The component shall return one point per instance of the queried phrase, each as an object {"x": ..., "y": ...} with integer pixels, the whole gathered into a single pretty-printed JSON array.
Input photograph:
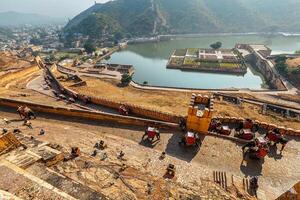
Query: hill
[
  {"x": 16, "y": 19},
  {"x": 150, "y": 17}
]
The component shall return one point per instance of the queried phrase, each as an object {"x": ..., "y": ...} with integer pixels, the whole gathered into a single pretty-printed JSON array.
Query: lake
[{"x": 150, "y": 59}]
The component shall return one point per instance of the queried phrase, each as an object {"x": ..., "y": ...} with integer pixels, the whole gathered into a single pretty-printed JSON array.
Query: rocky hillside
[{"x": 150, "y": 17}]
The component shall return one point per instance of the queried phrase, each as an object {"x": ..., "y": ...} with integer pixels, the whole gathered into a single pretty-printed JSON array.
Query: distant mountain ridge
[
  {"x": 150, "y": 17},
  {"x": 16, "y": 18}
]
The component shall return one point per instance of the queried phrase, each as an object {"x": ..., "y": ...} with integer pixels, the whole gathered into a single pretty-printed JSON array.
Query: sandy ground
[
  {"x": 175, "y": 102},
  {"x": 293, "y": 62},
  {"x": 277, "y": 172}
]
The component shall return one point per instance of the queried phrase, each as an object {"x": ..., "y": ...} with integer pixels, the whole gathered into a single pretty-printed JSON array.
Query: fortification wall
[
  {"x": 264, "y": 66},
  {"x": 137, "y": 110},
  {"x": 91, "y": 115}
]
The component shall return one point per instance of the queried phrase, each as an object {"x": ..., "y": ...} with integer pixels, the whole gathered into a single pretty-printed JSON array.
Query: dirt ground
[
  {"x": 174, "y": 102},
  {"x": 11, "y": 62},
  {"x": 276, "y": 174},
  {"x": 293, "y": 63}
]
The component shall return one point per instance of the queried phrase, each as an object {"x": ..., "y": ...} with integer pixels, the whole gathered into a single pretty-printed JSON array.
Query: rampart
[
  {"x": 258, "y": 58},
  {"x": 139, "y": 111},
  {"x": 90, "y": 115}
]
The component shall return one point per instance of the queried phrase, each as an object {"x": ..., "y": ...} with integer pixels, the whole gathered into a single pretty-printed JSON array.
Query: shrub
[
  {"x": 216, "y": 45},
  {"x": 126, "y": 79}
]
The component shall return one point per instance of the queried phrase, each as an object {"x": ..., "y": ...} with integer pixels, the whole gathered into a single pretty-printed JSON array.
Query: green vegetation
[
  {"x": 229, "y": 65},
  {"x": 191, "y": 61},
  {"x": 126, "y": 79},
  {"x": 58, "y": 56},
  {"x": 193, "y": 51},
  {"x": 216, "y": 45},
  {"x": 136, "y": 17},
  {"x": 176, "y": 61},
  {"x": 210, "y": 64},
  {"x": 89, "y": 47},
  {"x": 298, "y": 51},
  {"x": 180, "y": 52},
  {"x": 281, "y": 65},
  {"x": 96, "y": 25}
]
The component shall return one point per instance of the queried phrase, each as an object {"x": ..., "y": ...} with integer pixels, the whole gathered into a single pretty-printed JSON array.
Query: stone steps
[
  {"x": 27, "y": 184},
  {"x": 23, "y": 159},
  {"x": 65, "y": 184}
]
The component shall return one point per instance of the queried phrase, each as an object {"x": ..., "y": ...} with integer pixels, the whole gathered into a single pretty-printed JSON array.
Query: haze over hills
[
  {"x": 150, "y": 17},
  {"x": 16, "y": 19}
]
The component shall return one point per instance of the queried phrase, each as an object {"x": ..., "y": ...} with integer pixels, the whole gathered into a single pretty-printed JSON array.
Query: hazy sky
[{"x": 59, "y": 8}]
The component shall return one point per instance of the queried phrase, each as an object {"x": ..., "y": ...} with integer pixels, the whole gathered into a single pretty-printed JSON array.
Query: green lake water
[{"x": 150, "y": 59}]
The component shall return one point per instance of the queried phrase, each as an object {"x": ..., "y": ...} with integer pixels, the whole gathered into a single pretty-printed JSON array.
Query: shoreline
[{"x": 164, "y": 37}]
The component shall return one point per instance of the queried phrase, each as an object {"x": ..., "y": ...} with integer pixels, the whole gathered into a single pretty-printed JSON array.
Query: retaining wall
[{"x": 91, "y": 115}]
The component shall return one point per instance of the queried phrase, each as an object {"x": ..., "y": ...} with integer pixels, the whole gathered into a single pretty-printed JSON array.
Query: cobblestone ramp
[
  {"x": 66, "y": 184},
  {"x": 23, "y": 159},
  {"x": 24, "y": 185}
]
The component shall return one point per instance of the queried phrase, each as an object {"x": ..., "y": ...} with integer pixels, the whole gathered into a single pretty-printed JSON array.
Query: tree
[
  {"x": 118, "y": 36},
  {"x": 35, "y": 53},
  {"x": 298, "y": 51},
  {"x": 89, "y": 47},
  {"x": 216, "y": 45},
  {"x": 282, "y": 68},
  {"x": 281, "y": 65},
  {"x": 126, "y": 79}
]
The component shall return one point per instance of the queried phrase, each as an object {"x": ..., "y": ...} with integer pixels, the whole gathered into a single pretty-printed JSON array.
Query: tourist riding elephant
[{"x": 25, "y": 112}]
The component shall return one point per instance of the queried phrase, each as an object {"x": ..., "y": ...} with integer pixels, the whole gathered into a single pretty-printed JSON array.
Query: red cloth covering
[
  {"x": 248, "y": 125},
  {"x": 273, "y": 137},
  {"x": 261, "y": 153},
  {"x": 190, "y": 139},
  {"x": 248, "y": 135}
]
